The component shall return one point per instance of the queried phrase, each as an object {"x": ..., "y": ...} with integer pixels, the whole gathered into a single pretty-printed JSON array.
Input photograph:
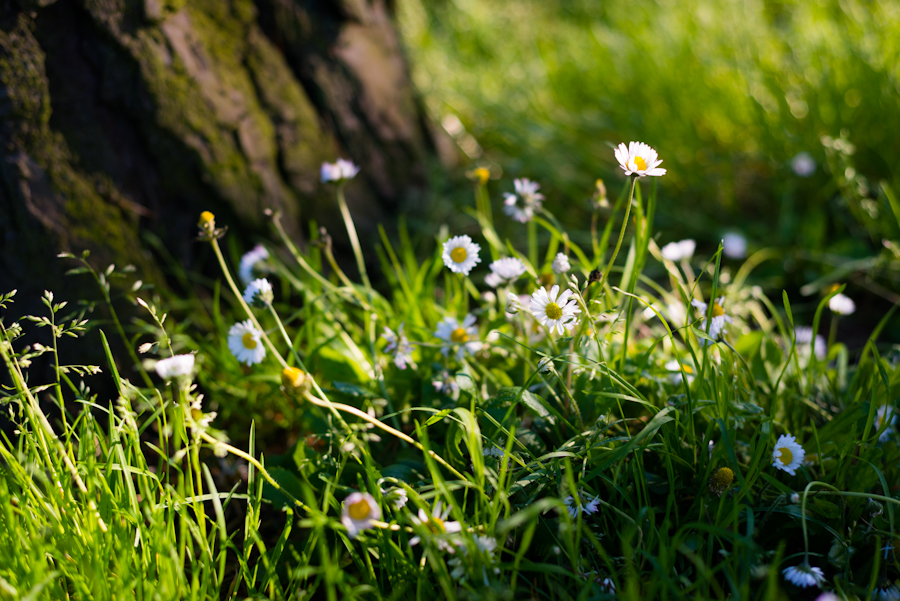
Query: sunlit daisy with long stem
[
  {"x": 245, "y": 342},
  {"x": 788, "y": 454},
  {"x": 555, "y": 310},
  {"x": 358, "y": 511},
  {"x": 639, "y": 159},
  {"x": 526, "y": 201},
  {"x": 460, "y": 254},
  {"x": 804, "y": 575},
  {"x": 463, "y": 337}
]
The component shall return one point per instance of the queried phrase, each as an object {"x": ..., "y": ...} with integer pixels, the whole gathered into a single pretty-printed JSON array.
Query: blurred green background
[{"x": 728, "y": 92}]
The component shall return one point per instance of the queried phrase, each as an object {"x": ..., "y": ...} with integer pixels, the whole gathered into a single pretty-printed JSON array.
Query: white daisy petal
[
  {"x": 561, "y": 263},
  {"x": 463, "y": 337},
  {"x": 553, "y": 309},
  {"x": 506, "y": 270},
  {"x": 249, "y": 262},
  {"x": 639, "y": 159},
  {"x": 358, "y": 511},
  {"x": 522, "y": 205},
  {"x": 259, "y": 293},
  {"x": 341, "y": 171},
  {"x": 841, "y": 304}
]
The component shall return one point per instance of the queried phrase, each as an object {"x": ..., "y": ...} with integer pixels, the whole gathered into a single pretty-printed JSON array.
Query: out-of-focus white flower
[
  {"x": 554, "y": 310},
  {"x": 446, "y": 384},
  {"x": 484, "y": 546},
  {"x": 461, "y": 336},
  {"x": 795, "y": 498},
  {"x": 803, "y": 164},
  {"x": 885, "y": 414},
  {"x": 734, "y": 245},
  {"x": 399, "y": 346},
  {"x": 677, "y": 313},
  {"x": 395, "y": 496},
  {"x": 358, "y": 511},
  {"x": 341, "y": 171},
  {"x": 437, "y": 525},
  {"x": 804, "y": 336},
  {"x": 719, "y": 318},
  {"x": 504, "y": 271},
  {"x": 788, "y": 454},
  {"x": 492, "y": 451},
  {"x": 677, "y": 251},
  {"x": 259, "y": 293},
  {"x": 174, "y": 367},
  {"x": 545, "y": 365},
  {"x": 606, "y": 585},
  {"x": 842, "y": 305},
  {"x": 886, "y": 591},
  {"x": 576, "y": 507},
  {"x": 245, "y": 342},
  {"x": 531, "y": 200},
  {"x": 249, "y": 261},
  {"x": 804, "y": 575},
  {"x": 461, "y": 254},
  {"x": 561, "y": 263},
  {"x": 828, "y": 596},
  {"x": 639, "y": 159},
  {"x": 674, "y": 369}
]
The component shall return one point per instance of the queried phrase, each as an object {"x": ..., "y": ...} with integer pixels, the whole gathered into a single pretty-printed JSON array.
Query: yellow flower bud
[
  {"x": 294, "y": 379},
  {"x": 721, "y": 480},
  {"x": 206, "y": 218}
]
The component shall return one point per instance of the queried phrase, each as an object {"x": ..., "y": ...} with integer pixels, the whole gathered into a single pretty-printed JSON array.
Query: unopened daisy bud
[
  {"x": 294, "y": 380},
  {"x": 480, "y": 175},
  {"x": 721, "y": 480},
  {"x": 207, "y": 225},
  {"x": 545, "y": 365},
  {"x": 561, "y": 263},
  {"x": 795, "y": 497},
  {"x": 513, "y": 305}
]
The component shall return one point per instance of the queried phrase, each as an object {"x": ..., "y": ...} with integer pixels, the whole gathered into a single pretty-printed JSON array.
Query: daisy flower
[
  {"x": 446, "y": 384},
  {"x": 886, "y": 591},
  {"x": 463, "y": 336},
  {"x": 842, "y": 305},
  {"x": 639, "y": 159},
  {"x": 677, "y": 251},
  {"x": 394, "y": 495},
  {"x": 484, "y": 546},
  {"x": 804, "y": 337},
  {"x": 249, "y": 261},
  {"x": 527, "y": 192},
  {"x": 259, "y": 293},
  {"x": 885, "y": 413},
  {"x": 561, "y": 263},
  {"x": 358, "y": 511},
  {"x": 493, "y": 451},
  {"x": 554, "y": 310},
  {"x": 606, "y": 585},
  {"x": 734, "y": 245},
  {"x": 338, "y": 172},
  {"x": 399, "y": 346},
  {"x": 505, "y": 271},
  {"x": 245, "y": 343},
  {"x": 576, "y": 507},
  {"x": 173, "y": 367},
  {"x": 674, "y": 369},
  {"x": 788, "y": 454},
  {"x": 719, "y": 319},
  {"x": 803, "y": 164},
  {"x": 436, "y": 524},
  {"x": 804, "y": 575},
  {"x": 460, "y": 254}
]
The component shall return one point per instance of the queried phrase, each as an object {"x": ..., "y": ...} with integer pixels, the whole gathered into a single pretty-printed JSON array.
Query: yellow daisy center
[
  {"x": 249, "y": 341},
  {"x": 458, "y": 254},
  {"x": 459, "y": 336},
  {"x": 786, "y": 456},
  {"x": 359, "y": 510},
  {"x": 640, "y": 163},
  {"x": 689, "y": 370},
  {"x": 436, "y": 525},
  {"x": 718, "y": 310},
  {"x": 553, "y": 311},
  {"x": 482, "y": 174}
]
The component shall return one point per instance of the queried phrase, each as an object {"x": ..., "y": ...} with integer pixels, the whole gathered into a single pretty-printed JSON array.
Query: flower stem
[
  {"x": 612, "y": 259},
  {"x": 354, "y": 239}
]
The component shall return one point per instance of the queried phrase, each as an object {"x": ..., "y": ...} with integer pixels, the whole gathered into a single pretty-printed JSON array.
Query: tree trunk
[{"x": 124, "y": 116}]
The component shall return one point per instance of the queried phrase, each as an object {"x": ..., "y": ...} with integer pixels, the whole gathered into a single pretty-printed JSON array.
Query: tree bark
[{"x": 124, "y": 116}]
